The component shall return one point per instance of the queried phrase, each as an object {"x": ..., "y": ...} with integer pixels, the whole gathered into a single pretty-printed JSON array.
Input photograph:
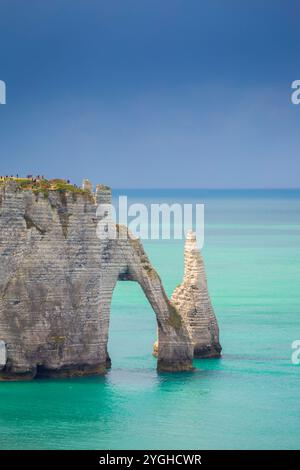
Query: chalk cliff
[
  {"x": 56, "y": 285},
  {"x": 193, "y": 302}
]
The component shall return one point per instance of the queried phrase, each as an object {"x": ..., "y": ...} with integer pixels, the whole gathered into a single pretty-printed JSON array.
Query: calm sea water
[{"x": 247, "y": 399}]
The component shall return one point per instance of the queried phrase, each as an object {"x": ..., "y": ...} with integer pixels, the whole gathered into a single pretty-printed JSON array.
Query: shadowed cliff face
[{"x": 56, "y": 285}]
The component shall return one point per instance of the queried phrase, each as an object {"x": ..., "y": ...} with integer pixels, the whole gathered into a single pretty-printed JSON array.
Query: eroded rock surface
[
  {"x": 56, "y": 285},
  {"x": 192, "y": 300}
]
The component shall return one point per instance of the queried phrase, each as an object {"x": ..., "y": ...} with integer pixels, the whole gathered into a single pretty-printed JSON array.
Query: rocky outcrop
[
  {"x": 125, "y": 259},
  {"x": 56, "y": 285},
  {"x": 191, "y": 299}
]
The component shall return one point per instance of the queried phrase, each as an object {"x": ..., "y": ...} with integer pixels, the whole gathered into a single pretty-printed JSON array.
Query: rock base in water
[{"x": 191, "y": 299}]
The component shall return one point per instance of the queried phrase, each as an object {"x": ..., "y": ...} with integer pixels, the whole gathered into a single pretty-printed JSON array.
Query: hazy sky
[{"x": 151, "y": 93}]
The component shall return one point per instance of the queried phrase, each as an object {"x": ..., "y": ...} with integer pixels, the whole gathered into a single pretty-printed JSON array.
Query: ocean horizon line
[
  {"x": 202, "y": 189},
  {"x": 202, "y": 193}
]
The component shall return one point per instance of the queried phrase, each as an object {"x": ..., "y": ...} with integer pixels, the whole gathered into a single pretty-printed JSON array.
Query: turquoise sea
[{"x": 247, "y": 399}]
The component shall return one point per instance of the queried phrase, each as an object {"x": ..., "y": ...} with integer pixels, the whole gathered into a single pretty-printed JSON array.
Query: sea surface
[{"x": 248, "y": 399}]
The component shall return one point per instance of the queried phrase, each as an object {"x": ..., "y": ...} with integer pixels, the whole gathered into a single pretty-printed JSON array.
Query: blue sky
[{"x": 150, "y": 93}]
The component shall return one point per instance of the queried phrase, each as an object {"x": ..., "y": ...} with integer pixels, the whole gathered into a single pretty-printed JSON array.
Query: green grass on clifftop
[{"x": 39, "y": 185}]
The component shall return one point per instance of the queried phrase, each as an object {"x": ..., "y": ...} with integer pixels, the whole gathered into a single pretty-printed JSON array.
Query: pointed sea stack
[{"x": 191, "y": 299}]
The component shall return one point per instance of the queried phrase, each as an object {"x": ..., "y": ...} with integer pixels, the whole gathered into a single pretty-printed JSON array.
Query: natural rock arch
[
  {"x": 125, "y": 259},
  {"x": 56, "y": 283}
]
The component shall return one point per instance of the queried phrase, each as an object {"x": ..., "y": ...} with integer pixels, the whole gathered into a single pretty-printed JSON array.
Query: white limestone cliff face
[
  {"x": 192, "y": 300},
  {"x": 56, "y": 285}
]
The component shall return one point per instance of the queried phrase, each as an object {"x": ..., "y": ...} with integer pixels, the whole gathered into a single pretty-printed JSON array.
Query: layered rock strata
[
  {"x": 192, "y": 300},
  {"x": 56, "y": 285}
]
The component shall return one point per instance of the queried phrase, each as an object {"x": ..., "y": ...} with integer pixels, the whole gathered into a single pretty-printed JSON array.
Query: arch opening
[
  {"x": 132, "y": 328},
  {"x": 131, "y": 263}
]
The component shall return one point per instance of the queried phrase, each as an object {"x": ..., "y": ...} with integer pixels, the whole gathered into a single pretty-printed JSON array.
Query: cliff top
[{"x": 42, "y": 185}]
